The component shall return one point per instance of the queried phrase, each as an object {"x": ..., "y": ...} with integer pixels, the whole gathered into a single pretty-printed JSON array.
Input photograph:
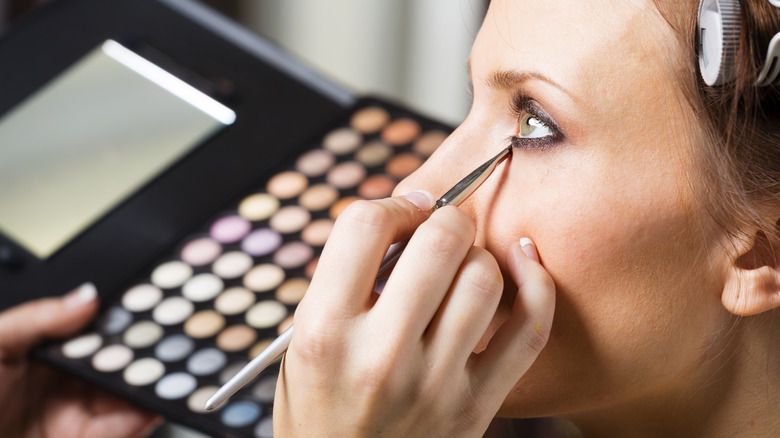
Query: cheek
[{"x": 634, "y": 286}]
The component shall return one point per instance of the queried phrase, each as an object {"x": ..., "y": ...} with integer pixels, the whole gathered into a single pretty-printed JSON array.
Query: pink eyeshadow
[
  {"x": 293, "y": 255},
  {"x": 201, "y": 251},
  {"x": 230, "y": 229}
]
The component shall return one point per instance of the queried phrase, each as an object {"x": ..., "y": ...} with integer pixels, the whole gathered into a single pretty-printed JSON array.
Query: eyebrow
[{"x": 508, "y": 79}]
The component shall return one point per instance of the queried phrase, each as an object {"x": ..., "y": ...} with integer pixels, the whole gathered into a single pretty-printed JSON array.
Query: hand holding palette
[{"x": 199, "y": 224}]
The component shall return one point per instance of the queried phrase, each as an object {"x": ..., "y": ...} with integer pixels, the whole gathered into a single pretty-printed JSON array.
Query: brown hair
[{"x": 740, "y": 162}]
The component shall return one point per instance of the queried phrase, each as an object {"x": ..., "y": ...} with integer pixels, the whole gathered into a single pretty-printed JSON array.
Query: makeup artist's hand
[
  {"x": 37, "y": 401},
  {"x": 402, "y": 364}
]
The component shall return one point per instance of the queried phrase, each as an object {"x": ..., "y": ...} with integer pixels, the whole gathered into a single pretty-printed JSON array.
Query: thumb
[{"x": 24, "y": 326}]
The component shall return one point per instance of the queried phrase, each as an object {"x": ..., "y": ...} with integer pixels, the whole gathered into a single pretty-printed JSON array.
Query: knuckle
[
  {"x": 536, "y": 338},
  {"x": 366, "y": 215}
]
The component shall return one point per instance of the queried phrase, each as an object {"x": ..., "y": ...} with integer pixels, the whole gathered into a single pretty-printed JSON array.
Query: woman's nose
[{"x": 445, "y": 167}]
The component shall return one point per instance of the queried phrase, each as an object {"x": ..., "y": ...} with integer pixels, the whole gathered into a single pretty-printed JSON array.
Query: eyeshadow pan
[
  {"x": 287, "y": 185},
  {"x": 374, "y": 154},
  {"x": 318, "y": 197},
  {"x": 230, "y": 229},
  {"x": 317, "y": 232},
  {"x": 206, "y": 362},
  {"x": 174, "y": 348},
  {"x": 370, "y": 119},
  {"x": 175, "y": 386},
  {"x": 197, "y": 400},
  {"x": 142, "y": 334},
  {"x": 171, "y": 274},
  {"x": 240, "y": 413},
  {"x": 202, "y": 287},
  {"x": 144, "y": 371},
  {"x": 234, "y": 301},
  {"x": 263, "y": 278},
  {"x": 114, "y": 320},
  {"x": 315, "y": 162},
  {"x": 142, "y": 297},
  {"x": 200, "y": 251},
  {"x": 401, "y": 131},
  {"x": 173, "y": 310},
  {"x": 266, "y": 314},
  {"x": 204, "y": 324},
  {"x": 236, "y": 338},
  {"x": 429, "y": 142},
  {"x": 346, "y": 175},
  {"x": 376, "y": 187},
  {"x": 342, "y": 141},
  {"x": 342, "y": 204},
  {"x": 292, "y": 290},
  {"x": 258, "y": 207},
  {"x": 403, "y": 165},
  {"x": 112, "y": 358},
  {"x": 232, "y": 264},
  {"x": 293, "y": 255},
  {"x": 290, "y": 219},
  {"x": 261, "y": 242},
  {"x": 82, "y": 346}
]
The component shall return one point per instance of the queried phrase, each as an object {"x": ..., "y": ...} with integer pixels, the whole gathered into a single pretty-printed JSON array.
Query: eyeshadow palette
[{"x": 189, "y": 322}]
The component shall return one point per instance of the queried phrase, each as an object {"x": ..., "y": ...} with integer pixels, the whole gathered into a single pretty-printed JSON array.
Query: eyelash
[{"x": 521, "y": 104}]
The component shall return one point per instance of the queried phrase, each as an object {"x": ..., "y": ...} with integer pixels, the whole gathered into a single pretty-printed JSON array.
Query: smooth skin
[
  {"x": 658, "y": 330},
  {"x": 38, "y": 401}
]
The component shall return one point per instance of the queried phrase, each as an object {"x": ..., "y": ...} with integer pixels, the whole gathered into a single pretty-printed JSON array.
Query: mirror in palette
[{"x": 92, "y": 137}]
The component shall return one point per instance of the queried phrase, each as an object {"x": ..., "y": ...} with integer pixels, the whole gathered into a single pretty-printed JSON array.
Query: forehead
[{"x": 589, "y": 47}]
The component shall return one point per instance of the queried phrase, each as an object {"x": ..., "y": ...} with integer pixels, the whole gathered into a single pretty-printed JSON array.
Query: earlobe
[{"x": 753, "y": 284}]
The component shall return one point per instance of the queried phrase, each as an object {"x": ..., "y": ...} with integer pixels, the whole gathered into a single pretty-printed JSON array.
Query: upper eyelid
[{"x": 524, "y": 103}]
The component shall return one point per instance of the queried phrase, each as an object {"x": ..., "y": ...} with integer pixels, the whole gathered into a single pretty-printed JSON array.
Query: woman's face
[{"x": 600, "y": 181}]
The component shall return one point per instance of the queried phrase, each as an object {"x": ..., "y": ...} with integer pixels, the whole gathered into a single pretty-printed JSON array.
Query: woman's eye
[{"x": 530, "y": 126}]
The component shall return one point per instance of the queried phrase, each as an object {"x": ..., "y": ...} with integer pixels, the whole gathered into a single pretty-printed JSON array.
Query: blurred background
[{"x": 413, "y": 52}]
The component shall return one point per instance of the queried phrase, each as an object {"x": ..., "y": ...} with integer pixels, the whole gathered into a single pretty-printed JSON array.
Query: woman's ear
[{"x": 753, "y": 283}]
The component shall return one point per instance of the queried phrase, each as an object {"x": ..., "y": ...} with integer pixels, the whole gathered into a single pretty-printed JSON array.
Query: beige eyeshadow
[
  {"x": 258, "y": 206},
  {"x": 346, "y": 175},
  {"x": 292, "y": 290},
  {"x": 401, "y": 131},
  {"x": 403, "y": 165},
  {"x": 197, "y": 400},
  {"x": 429, "y": 142},
  {"x": 236, "y": 338},
  {"x": 287, "y": 185},
  {"x": 317, "y": 232},
  {"x": 112, "y": 358},
  {"x": 290, "y": 219},
  {"x": 266, "y": 314},
  {"x": 377, "y": 187},
  {"x": 263, "y": 278},
  {"x": 340, "y": 205},
  {"x": 234, "y": 301},
  {"x": 142, "y": 334},
  {"x": 204, "y": 324},
  {"x": 318, "y": 197},
  {"x": 374, "y": 154},
  {"x": 369, "y": 120},
  {"x": 315, "y": 162},
  {"x": 342, "y": 141}
]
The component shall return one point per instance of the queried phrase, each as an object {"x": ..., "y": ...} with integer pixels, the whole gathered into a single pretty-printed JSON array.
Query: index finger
[{"x": 348, "y": 266}]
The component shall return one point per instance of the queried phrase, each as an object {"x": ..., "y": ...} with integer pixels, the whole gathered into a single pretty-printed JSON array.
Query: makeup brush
[{"x": 459, "y": 192}]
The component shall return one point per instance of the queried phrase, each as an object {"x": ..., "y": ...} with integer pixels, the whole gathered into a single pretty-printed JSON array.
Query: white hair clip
[{"x": 719, "y": 27}]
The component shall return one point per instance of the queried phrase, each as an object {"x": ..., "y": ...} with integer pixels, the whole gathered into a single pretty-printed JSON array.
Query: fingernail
[
  {"x": 421, "y": 198},
  {"x": 81, "y": 295},
  {"x": 529, "y": 248}
]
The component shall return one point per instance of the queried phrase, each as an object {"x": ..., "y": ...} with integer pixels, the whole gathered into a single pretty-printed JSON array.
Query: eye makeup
[{"x": 187, "y": 324}]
